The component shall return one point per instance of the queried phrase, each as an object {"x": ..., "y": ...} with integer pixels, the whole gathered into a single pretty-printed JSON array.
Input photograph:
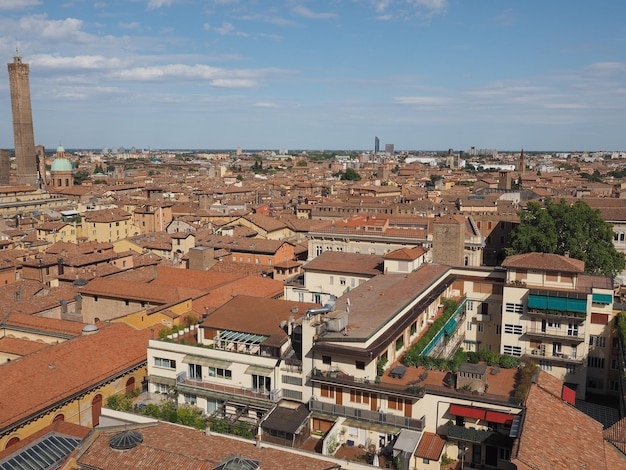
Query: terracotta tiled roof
[
  {"x": 247, "y": 314},
  {"x": 54, "y": 374},
  {"x": 49, "y": 299},
  {"x": 158, "y": 294},
  {"x": 20, "y": 347},
  {"x": 34, "y": 323},
  {"x": 405, "y": 254},
  {"x": 340, "y": 262},
  {"x": 255, "y": 286},
  {"x": 265, "y": 222},
  {"x": 107, "y": 215},
  {"x": 161, "y": 448},
  {"x": 430, "y": 446},
  {"x": 201, "y": 280},
  {"x": 544, "y": 261},
  {"x": 556, "y": 435}
]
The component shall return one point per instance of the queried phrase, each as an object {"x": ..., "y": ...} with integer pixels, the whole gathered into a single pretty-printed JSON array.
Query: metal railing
[{"x": 378, "y": 417}]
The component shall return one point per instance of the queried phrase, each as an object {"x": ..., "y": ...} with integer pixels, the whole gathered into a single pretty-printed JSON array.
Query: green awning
[
  {"x": 602, "y": 298},
  {"x": 537, "y": 301},
  {"x": 206, "y": 361},
  {"x": 259, "y": 370}
]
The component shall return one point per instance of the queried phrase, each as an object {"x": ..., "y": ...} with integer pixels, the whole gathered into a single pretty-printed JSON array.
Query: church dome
[
  {"x": 61, "y": 164},
  {"x": 60, "y": 149}
]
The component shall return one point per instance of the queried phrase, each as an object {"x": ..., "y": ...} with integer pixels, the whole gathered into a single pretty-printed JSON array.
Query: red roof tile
[
  {"x": 54, "y": 374},
  {"x": 430, "y": 447}
]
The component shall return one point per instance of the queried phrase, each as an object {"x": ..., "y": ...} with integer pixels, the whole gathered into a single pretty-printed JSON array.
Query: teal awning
[
  {"x": 450, "y": 326},
  {"x": 602, "y": 299},
  {"x": 537, "y": 301},
  {"x": 559, "y": 304}
]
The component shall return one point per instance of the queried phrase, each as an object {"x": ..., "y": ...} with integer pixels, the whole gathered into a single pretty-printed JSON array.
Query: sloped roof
[
  {"x": 545, "y": 262},
  {"x": 161, "y": 448},
  {"x": 555, "y": 434},
  {"x": 430, "y": 447},
  {"x": 343, "y": 262},
  {"x": 54, "y": 374},
  {"x": 256, "y": 315}
]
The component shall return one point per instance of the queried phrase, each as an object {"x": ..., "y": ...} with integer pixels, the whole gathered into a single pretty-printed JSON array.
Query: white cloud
[
  {"x": 381, "y": 5},
  {"x": 307, "y": 13},
  {"x": 233, "y": 83},
  {"x": 431, "y": 4},
  {"x": 77, "y": 62},
  {"x": 69, "y": 28},
  {"x": 265, "y": 104},
  {"x": 227, "y": 29},
  {"x": 216, "y": 77},
  {"x": 154, "y": 4},
  {"x": 131, "y": 25},
  {"x": 18, "y": 4},
  {"x": 606, "y": 68},
  {"x": 422, "y": 100},
  {"x": 206, "y": 26}
]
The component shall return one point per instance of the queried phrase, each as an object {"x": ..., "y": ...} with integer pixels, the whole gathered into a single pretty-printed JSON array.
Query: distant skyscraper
[
  {"x": 389, "y": 148},
  {"x": 24, "y": 139},
  {"x": 376, "y": 145}
]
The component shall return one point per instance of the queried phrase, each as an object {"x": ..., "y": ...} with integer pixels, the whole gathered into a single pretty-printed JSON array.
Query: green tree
[
  {"x": 350, "y": 175},
  {"x": 574, "y": 230},
  {"x": 80, "y": 176}
]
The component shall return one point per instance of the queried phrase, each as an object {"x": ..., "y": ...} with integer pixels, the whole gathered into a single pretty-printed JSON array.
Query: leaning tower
[{"x": 24, "y": 139}]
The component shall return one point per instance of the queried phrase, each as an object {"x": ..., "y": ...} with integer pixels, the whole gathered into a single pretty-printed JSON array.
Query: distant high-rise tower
[
  {"x": 376, "y": 145},
  {"x": 24, "y": 139}
]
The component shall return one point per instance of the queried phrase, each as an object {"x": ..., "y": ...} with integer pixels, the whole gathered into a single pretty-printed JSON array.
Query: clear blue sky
[{"x": 297, "y": 74}]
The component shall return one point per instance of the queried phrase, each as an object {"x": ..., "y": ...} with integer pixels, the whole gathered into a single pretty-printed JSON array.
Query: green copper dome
[{"x": 61, "y": 164}]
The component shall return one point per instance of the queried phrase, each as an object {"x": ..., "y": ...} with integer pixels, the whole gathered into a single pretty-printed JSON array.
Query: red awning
[
  {"x": 501, "y": 418},
  {"x": 568, "y": 395},
  {"x": 467, "y": 412}
]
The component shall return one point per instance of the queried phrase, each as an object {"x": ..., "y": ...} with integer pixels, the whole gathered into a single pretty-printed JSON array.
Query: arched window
[
  {"x": 96, "y": 409},
  {"x": 58, "y": 418},
  {"x": 12, "y": 441},
  {"x": 130, "y": 384}
]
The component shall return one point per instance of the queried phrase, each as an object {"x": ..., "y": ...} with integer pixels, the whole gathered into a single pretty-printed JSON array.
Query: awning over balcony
[
  {"x": 161, "y": 380},
  {"x": 206, "y": 361},
  {"x": 602, "y": 298},
  {"x": 467, "y": 412},
  {"x": 259, "y": 370},
  {"x": 500, "y": 418},
  {"x": 560, "y": 304}
]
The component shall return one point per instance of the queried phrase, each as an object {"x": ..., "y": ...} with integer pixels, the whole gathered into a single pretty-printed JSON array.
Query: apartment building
[
  {"x": 381, "y": 235},
  {"x": 333, "y": 273},
  {"x": 108, "y": 225},
  {"x": 344, "y": 358},
  {"x": 238, "y": 362},
  {"x": 556, "y": 315}
]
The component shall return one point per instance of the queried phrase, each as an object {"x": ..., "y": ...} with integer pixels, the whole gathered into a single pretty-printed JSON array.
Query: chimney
[{"x": 63, "y": 306}]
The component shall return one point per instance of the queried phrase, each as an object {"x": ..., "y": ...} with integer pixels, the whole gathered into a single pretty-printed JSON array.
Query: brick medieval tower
[{"x": 24, "y": 139}]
